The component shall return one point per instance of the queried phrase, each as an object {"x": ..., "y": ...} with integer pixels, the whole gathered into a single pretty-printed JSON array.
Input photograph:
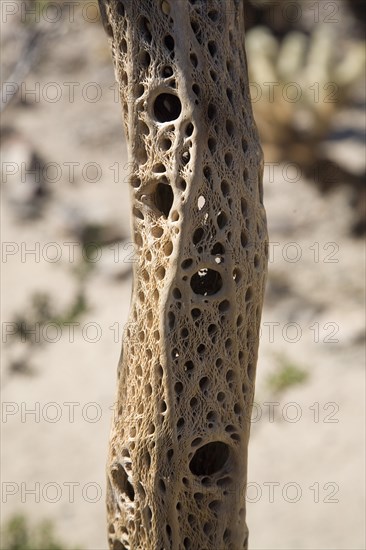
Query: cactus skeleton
[{"x": 177, "y": 464}]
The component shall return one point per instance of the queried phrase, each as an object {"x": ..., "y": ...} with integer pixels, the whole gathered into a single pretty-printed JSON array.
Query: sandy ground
[{"x": 306, "y": 475}]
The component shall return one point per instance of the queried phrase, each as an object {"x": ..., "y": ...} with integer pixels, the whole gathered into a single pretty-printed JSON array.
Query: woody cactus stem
[{"x": 178, "y": 449}]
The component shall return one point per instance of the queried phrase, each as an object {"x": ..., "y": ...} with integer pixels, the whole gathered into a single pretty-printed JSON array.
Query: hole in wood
[
  {"x": 117, "y": 545},
  {"x": 194, "y": 59},
  {"x": 167, "y": 71},
  {"x": 145, "y": 29},
  {"x": 209, "y": 459},
  {"x": 164, "y": 198},
  {"x": 169, "y": 42},
  {"x": 167, "y": 107},
  {"x": 121, "y": 480},
  {"x": 206, "y": 282},
  {"x": 201, "y": 202}
]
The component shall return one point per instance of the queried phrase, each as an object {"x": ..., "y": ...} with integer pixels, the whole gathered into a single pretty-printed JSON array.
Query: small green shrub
[
  {"x": 288, "y": 374},
  {"x": 18, "y": 535},
  {"x": 42, "y": 311}
]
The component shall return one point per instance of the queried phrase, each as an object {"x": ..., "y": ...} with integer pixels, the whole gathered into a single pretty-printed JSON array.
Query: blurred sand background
[{"x": 311, "y": 361}]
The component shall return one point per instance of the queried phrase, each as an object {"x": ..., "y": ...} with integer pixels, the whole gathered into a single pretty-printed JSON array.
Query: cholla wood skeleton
[{"x": 177, "y": 464}]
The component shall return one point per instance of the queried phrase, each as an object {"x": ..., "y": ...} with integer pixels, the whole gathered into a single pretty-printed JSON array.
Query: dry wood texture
[{"x": 178, "y": 450}]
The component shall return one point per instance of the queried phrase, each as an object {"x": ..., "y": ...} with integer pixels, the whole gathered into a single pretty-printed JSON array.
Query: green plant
[
  {"x": 17, "y": 534},
  {"x": 288, "y": 374},
  {"x": 42, "y": 311}
]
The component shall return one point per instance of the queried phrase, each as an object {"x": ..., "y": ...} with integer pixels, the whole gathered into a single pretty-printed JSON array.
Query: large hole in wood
[
  {"x": 201, "y": 202},
  {"x": 169, "y": 42},
  {"x": 121, "y": 480},
  {"x": 167, "y": 71},
  {"x": 206, "y": 282},
  {"x": 164, "y": 198},
  {"x": 197, "y": 235},
  {"x": 145, "y": 29},
  {"x": 167, "y": 107},
  {"x": 121, "y": 9},
  {"x": 209, "y": 459},
  {"x": 117, "y": 545}
]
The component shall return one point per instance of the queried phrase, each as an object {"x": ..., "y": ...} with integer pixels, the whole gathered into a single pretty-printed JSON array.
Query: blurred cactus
[
  {"x": 298, "y": 85},
  {"x": 301, "y": 81}
]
